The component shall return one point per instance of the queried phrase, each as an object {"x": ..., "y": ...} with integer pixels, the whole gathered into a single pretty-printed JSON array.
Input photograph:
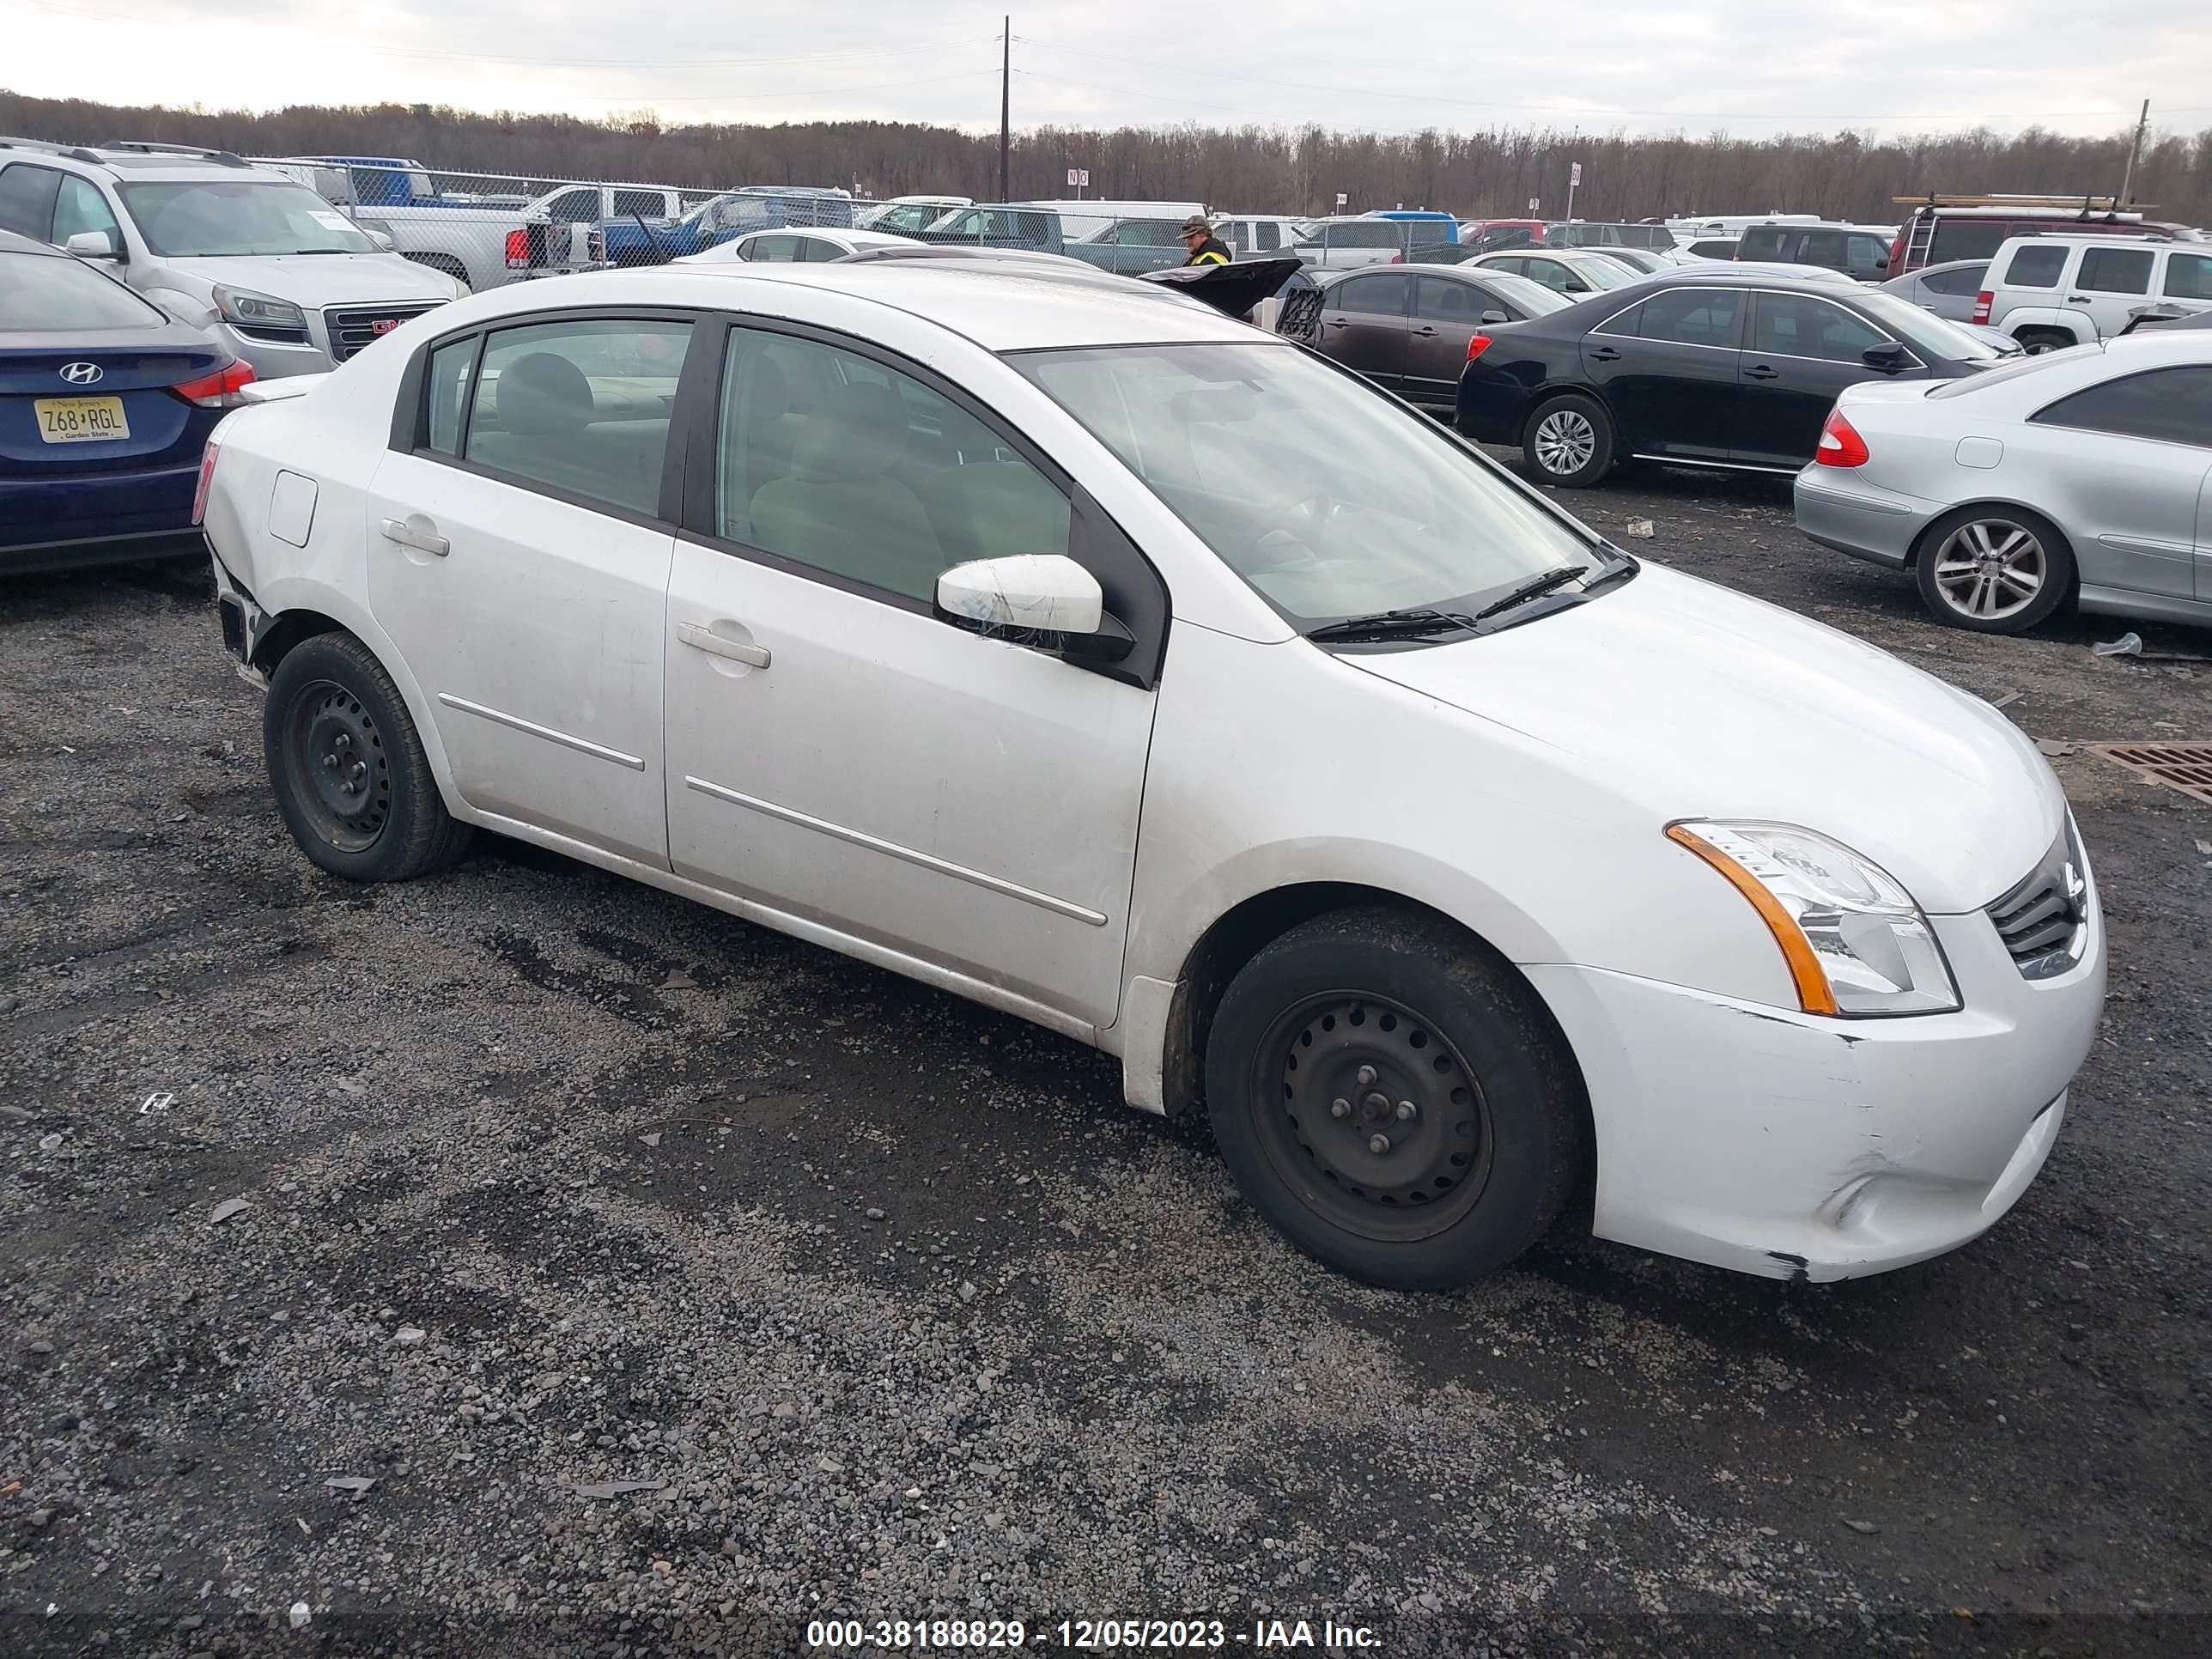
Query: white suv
[
  {"x": 270, "y": 268},
  {"x": 2053, "y": 291}
]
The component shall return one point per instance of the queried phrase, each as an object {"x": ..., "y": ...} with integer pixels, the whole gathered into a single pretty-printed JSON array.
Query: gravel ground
[{"x": 663, "y": 1283}]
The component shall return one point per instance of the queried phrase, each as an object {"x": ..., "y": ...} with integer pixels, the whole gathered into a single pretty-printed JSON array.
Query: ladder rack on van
[{"x": 2085, "y": 205}]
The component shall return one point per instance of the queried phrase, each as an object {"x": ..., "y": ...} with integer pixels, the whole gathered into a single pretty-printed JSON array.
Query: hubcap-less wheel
[
  {"x": 1378, "y": 1123},
  {"x": 1991, "y": 568},
  {"x": 1564, "y": 441},
  {"x": 337, "y": 758}
]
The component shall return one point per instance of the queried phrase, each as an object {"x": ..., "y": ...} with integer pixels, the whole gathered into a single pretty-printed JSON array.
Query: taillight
[
  {"x": 1840, "y": 443},
  {"x": 1897, "y": 254},
  {"x": 518, "y": 250},
  {"x": 207, "y": 478},
  {"x": 1477, "y": 346},
  {"x": 1399, "y": 257},
  {"x": 1982, "y": 303},
  {"x": 219, "y": 389}
]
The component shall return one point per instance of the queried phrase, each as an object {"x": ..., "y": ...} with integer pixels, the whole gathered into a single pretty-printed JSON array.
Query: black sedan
[
  {"x": 1408, "y": 329},
  {"x": 105, "y": 404},
  {"x": 1698, "y": 368}
]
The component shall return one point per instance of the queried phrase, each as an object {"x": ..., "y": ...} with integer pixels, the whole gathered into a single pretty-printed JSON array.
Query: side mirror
[
  {"x": 1047, "y": 592},
  {"x": 92, "y": 244},
  {"x": 1489, "y": 317},
  {"x": 1888, "y": 355},
  {"x": 383, "y": 240}
]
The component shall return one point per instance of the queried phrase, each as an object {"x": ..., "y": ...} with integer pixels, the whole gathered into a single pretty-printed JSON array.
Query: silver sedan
[
  {"x": 2084, "y": 474},
  {"x": 1948, "y": 289}
]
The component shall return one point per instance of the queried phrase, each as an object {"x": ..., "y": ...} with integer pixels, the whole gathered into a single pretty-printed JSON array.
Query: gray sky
[{"x": 1389, "y": 65}]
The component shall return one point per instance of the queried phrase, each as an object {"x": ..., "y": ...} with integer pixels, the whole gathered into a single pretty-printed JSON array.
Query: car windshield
[
  {"x": 1330, "y": 499},
  {"x": 41, "y": 294},
  {"x": 1923, "y": 330},
  {"x": 230, "y": 217}
]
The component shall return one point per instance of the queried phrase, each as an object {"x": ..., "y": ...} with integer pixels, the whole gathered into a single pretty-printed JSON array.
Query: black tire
[
  {"x": 1568, "y": 442},
  {"x": 1981, "y": 533},
  {"x": 2035, "y": 341},
  {"x": 348, "y": 769},
  {"x": 1364, "y": 1009}
]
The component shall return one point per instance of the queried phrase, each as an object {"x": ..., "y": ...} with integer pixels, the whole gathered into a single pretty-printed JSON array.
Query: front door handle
[
  {"x": 703, "y": 638},
  {"x": 1762, "y": 372},
  {"x": 1424, "y": 332},
  {"x": 417, "y": 532},
  {"x": 1603, "y": 354},
  {"x": 2078, "y": 299}
]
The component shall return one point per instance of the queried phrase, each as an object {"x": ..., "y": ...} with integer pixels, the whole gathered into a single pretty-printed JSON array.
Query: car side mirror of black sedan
[{"x": 1888, "y": 355}]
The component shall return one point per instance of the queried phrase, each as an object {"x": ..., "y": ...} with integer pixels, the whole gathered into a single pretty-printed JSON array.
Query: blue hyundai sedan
[{"x": 105, "y": 402}]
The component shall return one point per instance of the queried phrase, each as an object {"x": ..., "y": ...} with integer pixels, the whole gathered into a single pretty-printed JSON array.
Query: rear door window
[
  {"x": 1966, "y": 279},
  {"x": 1823, "y": 247},
  {"x": 2188, "y": 277},
  {"x": 2115, "y": 270},
  {"x": 2038, "y": 264},
  {"x": 1761, "y": 242},
  {"x": 574, "y": 207},
  {"x": 2173, "y": 405},
  {"x": 1693, "y": 316},
  {"x": 779, "y": 249},
  {"x": 1267, "y": 236},
  {"x": 1380, "y": 295}
]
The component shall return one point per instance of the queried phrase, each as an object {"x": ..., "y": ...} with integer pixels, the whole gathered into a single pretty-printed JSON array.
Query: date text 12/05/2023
[{"x": 1085, "y": 1635}]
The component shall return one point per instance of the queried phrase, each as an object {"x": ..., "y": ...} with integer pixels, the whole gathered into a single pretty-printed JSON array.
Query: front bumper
[
  {"x": 1837, "y": 507},
  {"x": 1784, "y": 1144}
]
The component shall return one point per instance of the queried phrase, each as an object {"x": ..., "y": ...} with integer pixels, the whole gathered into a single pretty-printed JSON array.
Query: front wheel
[
  {"x": 1993, "y": 569},
  {"x": 1395, "y": 1099},
  {"x": 348, "y": 767},
  {"x": 1568, "y": 442}
]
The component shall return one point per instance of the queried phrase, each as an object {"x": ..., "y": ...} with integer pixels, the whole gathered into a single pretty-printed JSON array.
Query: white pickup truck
[{"x": 483, "y": 244}]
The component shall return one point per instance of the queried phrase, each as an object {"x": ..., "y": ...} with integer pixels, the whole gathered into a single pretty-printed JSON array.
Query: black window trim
[
  {"x": 699, "y": 407},
  {"x": 1652, "y": 292},
  {"x": 410, "y": 409},
  {"x": 1911, "y": 358},
  {"x": 2037, "y": 418},
  {"x": 53, "y": 201}
]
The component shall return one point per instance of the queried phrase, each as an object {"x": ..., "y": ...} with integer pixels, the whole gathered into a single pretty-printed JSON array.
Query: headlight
[
  {"x": 1855, "y": 941},
  {"x": 251, "y": 310}
]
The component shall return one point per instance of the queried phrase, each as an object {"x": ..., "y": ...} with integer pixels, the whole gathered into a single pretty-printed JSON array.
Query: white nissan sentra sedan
[{"x": 1054, "y": 641}]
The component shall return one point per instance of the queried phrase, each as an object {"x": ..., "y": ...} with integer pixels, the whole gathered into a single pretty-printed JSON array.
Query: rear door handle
[
  {"x": 706, "y": 639},
  {"x": 1762, "y": 372},
  {"x": 417, "y": 532},
  {"x": 1425, "y": 331},
  {"x": 2078, "y": 299},
  {"x": 1604, "y": 355}
]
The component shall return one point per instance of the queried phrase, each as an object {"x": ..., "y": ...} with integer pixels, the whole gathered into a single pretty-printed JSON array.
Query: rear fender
[{"x": 2060, "y": 318}]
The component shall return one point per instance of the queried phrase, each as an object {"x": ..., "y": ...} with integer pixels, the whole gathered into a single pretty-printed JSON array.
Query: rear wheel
[
  {"x": 2037, "y": 340},
  {"x": 1569, "y": 442},
  {"x": 348, "y": 767},
  {"x": 1993, "y": 569},
  {"x": 1395, "y": 1099}
]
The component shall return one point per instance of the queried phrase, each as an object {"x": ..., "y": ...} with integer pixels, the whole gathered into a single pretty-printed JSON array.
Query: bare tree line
[{"x": 1492, "y": 173}]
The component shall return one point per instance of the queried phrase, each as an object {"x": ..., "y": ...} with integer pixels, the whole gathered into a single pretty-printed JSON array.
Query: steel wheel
[
  {"x": 1380, "y": 1124},
  {"x": 1990, "y": 569},
  {"x": 341, "y": 774},
  {"x": 1565, "y": 440}
]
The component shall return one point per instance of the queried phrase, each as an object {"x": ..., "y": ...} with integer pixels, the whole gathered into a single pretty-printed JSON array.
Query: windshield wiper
[
  {"x": 1535, "y": 589},
  {"x": 1420, "y": 622}
]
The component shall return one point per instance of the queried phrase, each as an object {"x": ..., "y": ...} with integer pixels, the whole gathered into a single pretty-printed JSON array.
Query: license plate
[{"x": 80, "y": 420}]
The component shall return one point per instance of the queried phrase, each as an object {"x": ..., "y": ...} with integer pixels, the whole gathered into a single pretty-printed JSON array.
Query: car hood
[
  {"x": 319, "y": 279},
  {"x": 1690, "y": 700}
]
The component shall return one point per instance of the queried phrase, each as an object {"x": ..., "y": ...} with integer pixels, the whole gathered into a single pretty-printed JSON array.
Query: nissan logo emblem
[{"x": 81, "y": 373}]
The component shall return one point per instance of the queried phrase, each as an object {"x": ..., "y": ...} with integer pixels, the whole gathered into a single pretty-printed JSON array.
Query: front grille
[
  {"x": 2044, "y": 919},
  {"x": 1300, "y": 316},
  {"x": 353, "y": 327}
]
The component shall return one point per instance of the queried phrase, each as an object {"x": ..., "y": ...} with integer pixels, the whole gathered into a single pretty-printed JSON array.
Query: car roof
[
  {"x": 161, "y": 167},
  {"x": 1002, "y": 307}
]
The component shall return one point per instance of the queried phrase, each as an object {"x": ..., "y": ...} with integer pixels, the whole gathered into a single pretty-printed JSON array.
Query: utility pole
[
  {"x": 1006, "y": 105},
  {"x": 2135, "y": 154}
]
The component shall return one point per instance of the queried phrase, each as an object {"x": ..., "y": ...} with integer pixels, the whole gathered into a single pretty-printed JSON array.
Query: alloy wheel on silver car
[
  {"x": 1564, "y": 441},
  {"x": 1991, "y": 568}
]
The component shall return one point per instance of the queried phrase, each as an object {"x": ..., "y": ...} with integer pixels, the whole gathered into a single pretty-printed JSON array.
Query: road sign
[
  {"x": 1341, "y": 199},
  {"x": 1575, "y": 174},
  {"x": 1534, "y": 203}
]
